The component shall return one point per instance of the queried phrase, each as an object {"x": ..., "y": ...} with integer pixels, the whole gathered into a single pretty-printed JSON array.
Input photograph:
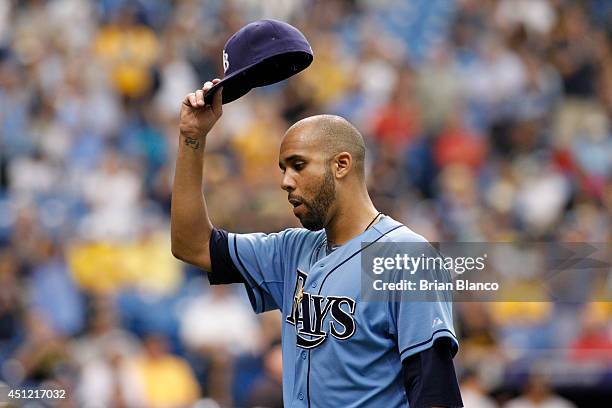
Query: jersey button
[
  {"x": 303, "y": 355},
  {"x": 321, "y": 265},
  {"x": 300, "y": 396},
  {"x": 314, "y": 284}
]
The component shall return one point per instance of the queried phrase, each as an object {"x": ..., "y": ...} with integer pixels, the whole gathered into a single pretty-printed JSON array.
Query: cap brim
[
  {"x": 266, "y": 72},
  {"x": 234, "y": 86}
]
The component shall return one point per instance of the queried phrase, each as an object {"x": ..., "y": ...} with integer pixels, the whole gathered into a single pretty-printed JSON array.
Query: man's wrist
[{"x": 191, "y": 141}]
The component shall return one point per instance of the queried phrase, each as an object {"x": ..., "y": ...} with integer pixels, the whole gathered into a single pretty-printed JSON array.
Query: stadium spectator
[
  {"x": 473, "y": 392},
  {"x": 159, "y": 379},
  {"x": 267, "y": 391},
  {"x": 538, "y": 394}
]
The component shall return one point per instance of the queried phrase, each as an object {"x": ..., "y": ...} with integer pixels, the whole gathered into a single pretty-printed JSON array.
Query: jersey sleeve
[
  {"x": 417, "y": 324},
  {"x": 419, "y": 318},
  {"x": 262, "y": 260},
  {"x": 222, "y": 268}
]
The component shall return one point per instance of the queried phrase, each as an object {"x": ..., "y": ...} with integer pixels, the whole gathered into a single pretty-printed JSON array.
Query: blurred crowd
[{"x": 485, "y": 120}]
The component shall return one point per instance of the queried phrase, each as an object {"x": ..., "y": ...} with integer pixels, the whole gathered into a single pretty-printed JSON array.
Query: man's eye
[{"x": 299, "y": 166}]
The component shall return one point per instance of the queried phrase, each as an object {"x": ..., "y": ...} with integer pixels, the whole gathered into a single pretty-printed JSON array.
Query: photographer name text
[{"x": 426, "y": 285}]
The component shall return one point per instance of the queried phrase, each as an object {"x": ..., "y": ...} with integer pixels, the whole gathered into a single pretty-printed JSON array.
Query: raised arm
[{"x": 191, "y": 227}]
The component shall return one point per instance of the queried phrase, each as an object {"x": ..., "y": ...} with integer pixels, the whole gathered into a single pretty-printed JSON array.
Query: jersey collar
[{"x": 381, "y": 227}]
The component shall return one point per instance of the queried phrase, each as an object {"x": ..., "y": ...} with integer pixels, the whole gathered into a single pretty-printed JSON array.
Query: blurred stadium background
[{"x": 486, "y": 120}]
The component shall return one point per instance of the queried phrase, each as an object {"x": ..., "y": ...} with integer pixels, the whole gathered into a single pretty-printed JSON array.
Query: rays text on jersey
[{"x": 309, "y": 312}]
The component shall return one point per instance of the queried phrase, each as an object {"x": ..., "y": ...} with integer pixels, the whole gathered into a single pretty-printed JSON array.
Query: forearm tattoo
[{"x": 193, "y": 143}]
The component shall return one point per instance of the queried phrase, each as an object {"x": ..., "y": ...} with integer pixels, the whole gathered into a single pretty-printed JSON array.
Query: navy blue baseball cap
[{"x": 261, "y": 53}]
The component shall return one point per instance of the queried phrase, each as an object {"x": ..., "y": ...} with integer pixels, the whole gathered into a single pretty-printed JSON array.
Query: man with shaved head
[
  {"x": 339, "y": 350},
  {"x": 327, "y": 150}
]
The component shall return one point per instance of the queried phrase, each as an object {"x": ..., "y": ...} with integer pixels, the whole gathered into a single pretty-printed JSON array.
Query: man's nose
[{"x": 287, "y": 182}]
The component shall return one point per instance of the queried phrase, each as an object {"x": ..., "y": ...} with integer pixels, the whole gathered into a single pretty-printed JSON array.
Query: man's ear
[{"x": 343, "y": 164}]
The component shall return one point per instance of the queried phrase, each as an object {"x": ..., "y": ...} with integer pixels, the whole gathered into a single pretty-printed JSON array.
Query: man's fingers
[
  {"x": 200, "y": 97},
  {"x": 207, "y": 86},
  {"x": 196, "y": 99},
  {"x": 191, "y": 100},
  {"x": 206, "y": 89}
]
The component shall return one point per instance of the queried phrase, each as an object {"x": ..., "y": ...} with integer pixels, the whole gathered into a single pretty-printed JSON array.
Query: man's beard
[{"x": 315, "y": 217}]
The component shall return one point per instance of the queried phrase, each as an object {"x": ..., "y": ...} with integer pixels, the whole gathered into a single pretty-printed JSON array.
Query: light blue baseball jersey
[{"x": 338, "y": 350}]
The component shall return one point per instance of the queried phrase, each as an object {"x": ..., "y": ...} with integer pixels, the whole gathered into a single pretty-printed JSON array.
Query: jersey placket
[{"x": 301, "y": 390}]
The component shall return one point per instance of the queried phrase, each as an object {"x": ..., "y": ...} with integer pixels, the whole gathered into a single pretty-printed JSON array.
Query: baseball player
[{"x": 338, "y": 351}]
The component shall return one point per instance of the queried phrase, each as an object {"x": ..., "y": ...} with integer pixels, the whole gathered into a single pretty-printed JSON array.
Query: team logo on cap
[{"x": 225, "y": 61}]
